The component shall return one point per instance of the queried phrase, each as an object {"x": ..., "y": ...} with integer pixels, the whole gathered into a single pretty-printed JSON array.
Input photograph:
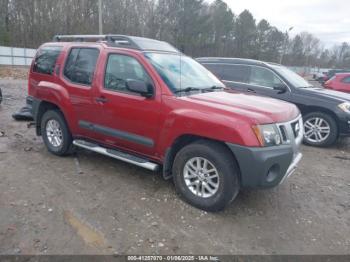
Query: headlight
[
  {"x": 267, "y": 135},
  {"x": 345, "y": 107}
]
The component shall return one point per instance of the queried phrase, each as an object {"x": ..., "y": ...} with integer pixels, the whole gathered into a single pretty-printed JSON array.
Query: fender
[
  {"x": 193, "y": 122},
  {"x": 57, "y": 95}
]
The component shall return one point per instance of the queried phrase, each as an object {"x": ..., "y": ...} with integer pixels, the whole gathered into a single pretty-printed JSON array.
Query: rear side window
[
  {"x": 226, "y": 72},
  {"x": 45, "y": 59},
  {"x": 216, "y": 69},
  {"x": 346, "y": 80},
  {"x": 80, "y": 65},
  {"x": 236, "y": 73}
]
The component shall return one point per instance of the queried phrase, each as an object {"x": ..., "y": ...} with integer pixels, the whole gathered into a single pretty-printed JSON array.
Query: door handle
[
  {"x": 251, "y": 90},
  {"x": 101, "y": 99}
]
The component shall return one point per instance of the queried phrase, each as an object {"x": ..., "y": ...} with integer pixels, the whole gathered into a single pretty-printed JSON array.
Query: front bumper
[
  {"x": 266, "y": 166},
  {"x": 344, "y": 123},
  {"x": 263, "y": 167}
]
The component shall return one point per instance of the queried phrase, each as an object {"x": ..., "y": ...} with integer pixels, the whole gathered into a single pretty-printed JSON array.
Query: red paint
[
  {"x": 339, "y": 83},
  {"x": 226, "y": 116}
]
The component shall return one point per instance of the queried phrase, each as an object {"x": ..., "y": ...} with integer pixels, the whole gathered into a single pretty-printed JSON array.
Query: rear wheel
[
  {"x": 55, "y": 133},
  {"x": 320, "y": 129},
  {"x": 206, "y": 175}
]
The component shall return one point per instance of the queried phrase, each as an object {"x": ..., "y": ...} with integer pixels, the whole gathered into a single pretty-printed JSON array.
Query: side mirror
[
  {"x": 140, "y": 87},
  {"x": 281, "y": 88}
]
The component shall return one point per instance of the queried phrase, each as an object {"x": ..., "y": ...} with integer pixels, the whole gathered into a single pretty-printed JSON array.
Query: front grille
[
  {"x": 283, "y": 133},
  {"x": 296, "y": 128},
  {"x": 290, "y": 131}
]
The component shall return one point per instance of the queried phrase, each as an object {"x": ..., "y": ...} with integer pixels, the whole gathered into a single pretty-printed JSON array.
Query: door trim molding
[{"x": 145, "y": 141}]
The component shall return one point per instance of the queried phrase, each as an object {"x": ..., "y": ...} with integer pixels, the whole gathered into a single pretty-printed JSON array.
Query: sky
[{"x": 329, "y": 20}]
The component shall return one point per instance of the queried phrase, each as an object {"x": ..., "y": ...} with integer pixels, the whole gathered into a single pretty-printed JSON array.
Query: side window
[
  {"x": 45, "y": 59},
  {"x": 80, "y": 65},
  {"x": 121, "y": 68},
  {"x": 263, "y": 77},
  {"x": 346, "y": 80},
  {"x": 236, "y": 73},
  {"x": 216, "y": 69}
]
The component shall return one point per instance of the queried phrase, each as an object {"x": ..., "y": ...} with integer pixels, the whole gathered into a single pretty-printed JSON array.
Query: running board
[{"x": 138, "y": 161}]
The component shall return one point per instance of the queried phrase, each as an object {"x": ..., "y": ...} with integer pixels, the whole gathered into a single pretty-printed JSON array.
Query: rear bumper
[{"x": 267, "y": 166}]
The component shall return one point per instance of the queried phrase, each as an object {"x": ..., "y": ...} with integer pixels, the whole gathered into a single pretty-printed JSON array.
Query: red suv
[
  {"x": 142, "y": 101},
  {"x": 339, "y": 82}
]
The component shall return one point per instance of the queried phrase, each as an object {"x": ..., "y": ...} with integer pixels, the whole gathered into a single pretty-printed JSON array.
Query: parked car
[
  {"x": 326, "y": 113},
  {"x": 319, "y": 76},
  {"x": 143, "y": 102},
  {"x": 339, "y": 82},
  {"x": 332, "y": 73}
]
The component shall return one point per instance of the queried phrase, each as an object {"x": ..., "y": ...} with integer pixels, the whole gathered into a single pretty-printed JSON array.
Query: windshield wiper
[
  {"x": 212, "y": 88},
  {"x": 187, "y": 89}
]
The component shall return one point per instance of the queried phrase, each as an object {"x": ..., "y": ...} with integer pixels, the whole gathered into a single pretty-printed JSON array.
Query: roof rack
[
  {"x": 134, "y": 42},
  {"x": 112, "y": 40}
]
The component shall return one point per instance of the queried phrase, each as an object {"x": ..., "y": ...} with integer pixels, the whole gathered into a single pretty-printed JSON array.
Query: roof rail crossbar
[{"x": 112, "y": 40}]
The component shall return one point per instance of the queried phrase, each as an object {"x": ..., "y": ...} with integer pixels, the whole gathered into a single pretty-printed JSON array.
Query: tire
[
  {"x": 227, "y": 182},
  {"x": 54, "y": 118},
  {"x": 325, "y": 120}
]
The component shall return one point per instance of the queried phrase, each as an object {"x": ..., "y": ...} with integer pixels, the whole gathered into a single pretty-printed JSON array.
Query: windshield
[
  {"x": 293, "y": 78},
  {"x": 181, "y": 72}
]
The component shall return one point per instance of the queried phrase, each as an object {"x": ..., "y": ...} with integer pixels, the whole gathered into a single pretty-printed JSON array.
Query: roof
[
  {"x": 343, "y": 73},
  {"x": 121, "y": 41},
  {"x": 229, "y": 60}
]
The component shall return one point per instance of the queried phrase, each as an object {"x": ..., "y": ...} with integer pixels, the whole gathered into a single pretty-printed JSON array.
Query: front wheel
[
  {"x": 206, "y": 175},
  {"x": 320, "y": 129},
  {"x": 55, "y": 133}
]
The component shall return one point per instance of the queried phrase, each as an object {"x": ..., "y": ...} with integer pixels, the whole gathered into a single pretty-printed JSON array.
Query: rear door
[
  {"x": 235, "y": 76},
  {"x": 78, "y": 77}
]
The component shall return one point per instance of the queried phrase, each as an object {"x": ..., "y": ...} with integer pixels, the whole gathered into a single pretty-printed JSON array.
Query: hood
[
  {"x": 323, "y": 93},
  {"x": 260, "y": 110}
]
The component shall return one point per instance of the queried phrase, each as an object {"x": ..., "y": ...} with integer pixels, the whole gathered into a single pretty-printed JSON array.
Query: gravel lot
[{"x": 91, "y": 204}]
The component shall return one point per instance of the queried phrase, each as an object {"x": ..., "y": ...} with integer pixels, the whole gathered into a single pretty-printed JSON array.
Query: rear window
[{"x": 45, "y": 59}]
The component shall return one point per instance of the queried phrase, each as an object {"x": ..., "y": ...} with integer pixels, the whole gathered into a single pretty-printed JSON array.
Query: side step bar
[{"x": 138, "y": 161}]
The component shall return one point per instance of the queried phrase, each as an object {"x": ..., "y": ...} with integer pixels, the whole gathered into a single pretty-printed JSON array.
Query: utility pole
[
  {"x": 100, "y": 31},
  {"x": 285, "y": 44}
]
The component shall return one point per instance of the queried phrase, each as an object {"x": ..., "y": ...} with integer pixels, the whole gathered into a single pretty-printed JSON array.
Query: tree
[
  {"x": 245, "y": 35},
  {"x": 222, "y": 25},
  {"x": 196, "y": 27}
]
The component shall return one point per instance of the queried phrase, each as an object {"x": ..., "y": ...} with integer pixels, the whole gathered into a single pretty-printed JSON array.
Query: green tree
[{"x": 245, "y": 35}]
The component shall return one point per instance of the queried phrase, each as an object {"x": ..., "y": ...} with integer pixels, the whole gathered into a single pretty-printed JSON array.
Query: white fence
[{"x": 16, "y": 56}]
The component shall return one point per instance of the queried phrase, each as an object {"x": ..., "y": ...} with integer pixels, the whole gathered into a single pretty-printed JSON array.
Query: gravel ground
[{"x": 91, "y": 204}]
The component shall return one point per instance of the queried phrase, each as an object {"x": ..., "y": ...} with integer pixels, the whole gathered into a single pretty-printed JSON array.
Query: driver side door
[
  {"x": 127, "y": 119},
  {"x": 263, "y": 80}
]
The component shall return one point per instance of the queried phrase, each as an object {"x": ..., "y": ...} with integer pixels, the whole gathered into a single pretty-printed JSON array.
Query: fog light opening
[{"x": 273, "y": 172}]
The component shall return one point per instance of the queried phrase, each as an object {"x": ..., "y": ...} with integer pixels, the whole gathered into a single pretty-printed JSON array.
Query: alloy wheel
[
  {"x": 201, "y": 177},
  {"x": 54, "y": 133},
  {"x": 317, "y": 129}
]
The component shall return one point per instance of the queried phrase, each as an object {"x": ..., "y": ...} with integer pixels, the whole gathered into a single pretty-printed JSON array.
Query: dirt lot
[{"x": 91, "y": 204}]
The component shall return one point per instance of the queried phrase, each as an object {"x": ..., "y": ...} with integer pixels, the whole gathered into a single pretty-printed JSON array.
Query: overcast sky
[{"x": 329, "y": 20}]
